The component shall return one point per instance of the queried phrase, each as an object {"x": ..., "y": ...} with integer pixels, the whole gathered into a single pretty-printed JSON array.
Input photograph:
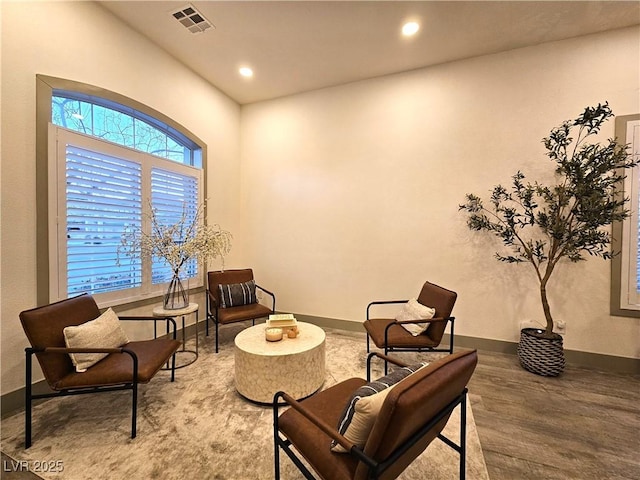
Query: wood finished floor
[{"x": 584, "y": 424}]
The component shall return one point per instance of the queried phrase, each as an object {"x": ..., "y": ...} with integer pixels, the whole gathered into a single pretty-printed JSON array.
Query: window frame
[
  {"x": 625, "y": 235},
  {"x": 60, "y": 138},
  {"x": 46, "y": 87}
]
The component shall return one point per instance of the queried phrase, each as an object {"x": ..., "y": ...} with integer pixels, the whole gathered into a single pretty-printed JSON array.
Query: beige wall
[
  {"x": 342, "y": 195},
  {"x": 350, "y": 194},
  {"x": 80, "y": 41}
]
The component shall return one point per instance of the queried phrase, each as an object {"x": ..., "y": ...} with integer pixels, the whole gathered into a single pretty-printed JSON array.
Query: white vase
[{"x": 176, "y": 297}]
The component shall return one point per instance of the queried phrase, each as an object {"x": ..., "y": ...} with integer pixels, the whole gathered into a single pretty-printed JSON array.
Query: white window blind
[
  {"x": 98, "y": 190},
  {"x": 630, "y": 281},
  {"x": 103, "y": 195},
  {"x": 101, "y": 154},
  {"x": 173, "y": 195}
]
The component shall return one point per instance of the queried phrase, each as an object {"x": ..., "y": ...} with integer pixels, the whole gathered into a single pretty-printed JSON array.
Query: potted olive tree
[{"x": 542, "y": 225}]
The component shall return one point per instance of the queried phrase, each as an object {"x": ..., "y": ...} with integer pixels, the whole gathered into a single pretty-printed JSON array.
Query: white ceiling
[{"x": 296, "y": 46}]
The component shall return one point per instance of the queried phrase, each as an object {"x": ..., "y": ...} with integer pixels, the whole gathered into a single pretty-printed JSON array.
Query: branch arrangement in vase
[{"x": 178, "y": 242}]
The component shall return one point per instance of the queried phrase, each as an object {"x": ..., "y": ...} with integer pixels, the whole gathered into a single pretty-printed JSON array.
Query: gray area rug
[{"x": 198, "y": 427}]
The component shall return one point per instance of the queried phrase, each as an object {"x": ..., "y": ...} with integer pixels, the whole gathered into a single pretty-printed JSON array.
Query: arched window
[
  {"x": 113, "y": 122},
  {"x": 109, "y": 165}
]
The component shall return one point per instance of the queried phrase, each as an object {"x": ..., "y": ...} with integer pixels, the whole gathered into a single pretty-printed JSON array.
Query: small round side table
[{"x": 160, "y": 311}]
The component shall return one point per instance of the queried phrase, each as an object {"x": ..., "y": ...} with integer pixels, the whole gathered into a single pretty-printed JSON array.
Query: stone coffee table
[{"x": 293, "y": 365}]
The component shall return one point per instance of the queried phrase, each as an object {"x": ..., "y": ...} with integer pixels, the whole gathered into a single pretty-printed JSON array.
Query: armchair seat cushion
[
  {"x": 244, "y": 312},
  {"x": 312, "y": 443},
  {"x": 117, "y": 368},
  {"x": 398, "y": 336}
]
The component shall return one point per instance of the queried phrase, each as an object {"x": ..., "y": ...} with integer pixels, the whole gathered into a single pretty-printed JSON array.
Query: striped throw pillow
[
  {"x": 367, "y": 390},
  {"x": 236, "y": 294}
]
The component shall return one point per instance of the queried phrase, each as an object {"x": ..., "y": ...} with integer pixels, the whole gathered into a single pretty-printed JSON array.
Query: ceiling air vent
[{"x": 192, "y": 19}]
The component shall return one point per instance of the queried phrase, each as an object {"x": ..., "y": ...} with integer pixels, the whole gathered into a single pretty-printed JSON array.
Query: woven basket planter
[{"x": 542, "y": 356}]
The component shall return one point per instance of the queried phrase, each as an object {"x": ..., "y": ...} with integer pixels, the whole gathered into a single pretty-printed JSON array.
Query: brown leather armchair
[
  {"x": 122, "y": 369},
  {"x": 388, "y": 333},
  {"x": 414, "y": 413},
  {"x": 221, "y": 314}
]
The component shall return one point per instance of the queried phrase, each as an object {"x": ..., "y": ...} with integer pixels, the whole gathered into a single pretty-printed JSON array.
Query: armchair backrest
[
  {"x": 44, "y": 328},
  {"x": 412, "y": 404},
  {"x": 227, "y": 277},
  {"x": 443, "y": 301}
]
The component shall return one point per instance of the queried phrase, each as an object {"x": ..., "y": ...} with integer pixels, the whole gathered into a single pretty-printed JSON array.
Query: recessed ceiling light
[
  {"x": 410, "y": 28},
  {"x": 246, "y": 72}
]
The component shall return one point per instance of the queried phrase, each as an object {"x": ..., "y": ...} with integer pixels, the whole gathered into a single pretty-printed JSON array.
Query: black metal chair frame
[
  {"x": 211, "y": 315},
  {"x": 133, "y": 385},
  {"x": 388, "y": 349},
  {"x": 378, "y": 468},
  {"x": 375, "y": 468}
]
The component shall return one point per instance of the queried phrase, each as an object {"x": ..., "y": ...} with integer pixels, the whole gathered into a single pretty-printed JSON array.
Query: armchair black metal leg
[
  {"x": 463, "y": 436},
  {"x": 134, "y": 411},
  {"x": 216, "y": 337},
  {"x": 134, "y": 392},
  {"x": 276, "y": 447},
  {"x": 451, "y": 339},
  {"x": 27, "y": 402},
  {"x": 276, "y": 460},
  {"x": 207, "y": 316},
  {"x": 386, "y": 364}
]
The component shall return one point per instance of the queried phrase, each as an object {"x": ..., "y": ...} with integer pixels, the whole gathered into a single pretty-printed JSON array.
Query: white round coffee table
[{"x": 294, "y": 365}]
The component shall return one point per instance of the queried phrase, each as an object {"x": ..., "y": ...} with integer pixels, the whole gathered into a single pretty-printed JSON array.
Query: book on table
[{"x": 281, "y": 320}]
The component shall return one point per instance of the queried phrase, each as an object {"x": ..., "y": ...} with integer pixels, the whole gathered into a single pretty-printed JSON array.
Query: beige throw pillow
[
  {"x": 414, "y": 310},
  {"x": 365, "y": 414},
  {"x": 103, "y": 332},
  {"x": 363, "y": 407},
  {"x": 367, "y": 408}
]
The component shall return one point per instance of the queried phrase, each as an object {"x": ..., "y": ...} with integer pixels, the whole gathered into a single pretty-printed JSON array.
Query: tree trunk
[{"x": 548, "y": 333}]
